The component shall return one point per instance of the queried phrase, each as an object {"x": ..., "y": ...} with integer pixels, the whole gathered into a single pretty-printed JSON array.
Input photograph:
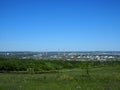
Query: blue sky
[{"x": 37, "y": 25}]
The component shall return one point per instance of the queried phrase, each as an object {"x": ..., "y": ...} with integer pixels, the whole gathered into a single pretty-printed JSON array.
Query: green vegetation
[
  {"x": 8, "y": 65},
  {"x": 59, "y": 75}
]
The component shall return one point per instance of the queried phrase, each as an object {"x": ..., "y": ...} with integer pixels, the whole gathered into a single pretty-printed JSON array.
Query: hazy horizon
[{"x": 53, "y": 25}]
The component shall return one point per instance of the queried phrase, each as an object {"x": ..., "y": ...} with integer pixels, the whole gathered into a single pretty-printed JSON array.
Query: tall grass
[{"x": 100, "y": 78}]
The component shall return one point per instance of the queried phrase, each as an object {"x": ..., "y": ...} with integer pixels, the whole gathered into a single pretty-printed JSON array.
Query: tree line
[{"x": 46, "y": 65}]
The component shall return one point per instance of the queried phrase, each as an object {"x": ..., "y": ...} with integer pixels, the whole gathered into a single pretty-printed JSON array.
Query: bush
[{"x": 47, "y": 65}]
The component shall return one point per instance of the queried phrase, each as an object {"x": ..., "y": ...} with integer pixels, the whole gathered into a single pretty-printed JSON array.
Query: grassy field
[{"x": 99, "y": 78}]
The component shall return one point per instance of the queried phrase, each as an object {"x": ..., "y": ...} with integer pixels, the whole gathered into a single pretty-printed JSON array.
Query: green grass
[{"x": 100, "y": 78}]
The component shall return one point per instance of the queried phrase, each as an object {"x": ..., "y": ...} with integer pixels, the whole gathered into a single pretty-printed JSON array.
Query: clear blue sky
[{"x": 82, "y": 25}]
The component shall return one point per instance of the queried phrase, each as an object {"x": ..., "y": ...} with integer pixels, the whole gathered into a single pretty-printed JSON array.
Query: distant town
[{"x": 68, "y": 55}]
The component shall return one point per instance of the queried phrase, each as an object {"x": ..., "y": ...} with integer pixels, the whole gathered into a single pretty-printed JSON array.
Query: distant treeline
[{"x": 46, "y": 65}]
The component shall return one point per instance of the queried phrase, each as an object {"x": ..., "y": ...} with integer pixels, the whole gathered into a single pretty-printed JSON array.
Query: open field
[{"x": 99, "y": 78}]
